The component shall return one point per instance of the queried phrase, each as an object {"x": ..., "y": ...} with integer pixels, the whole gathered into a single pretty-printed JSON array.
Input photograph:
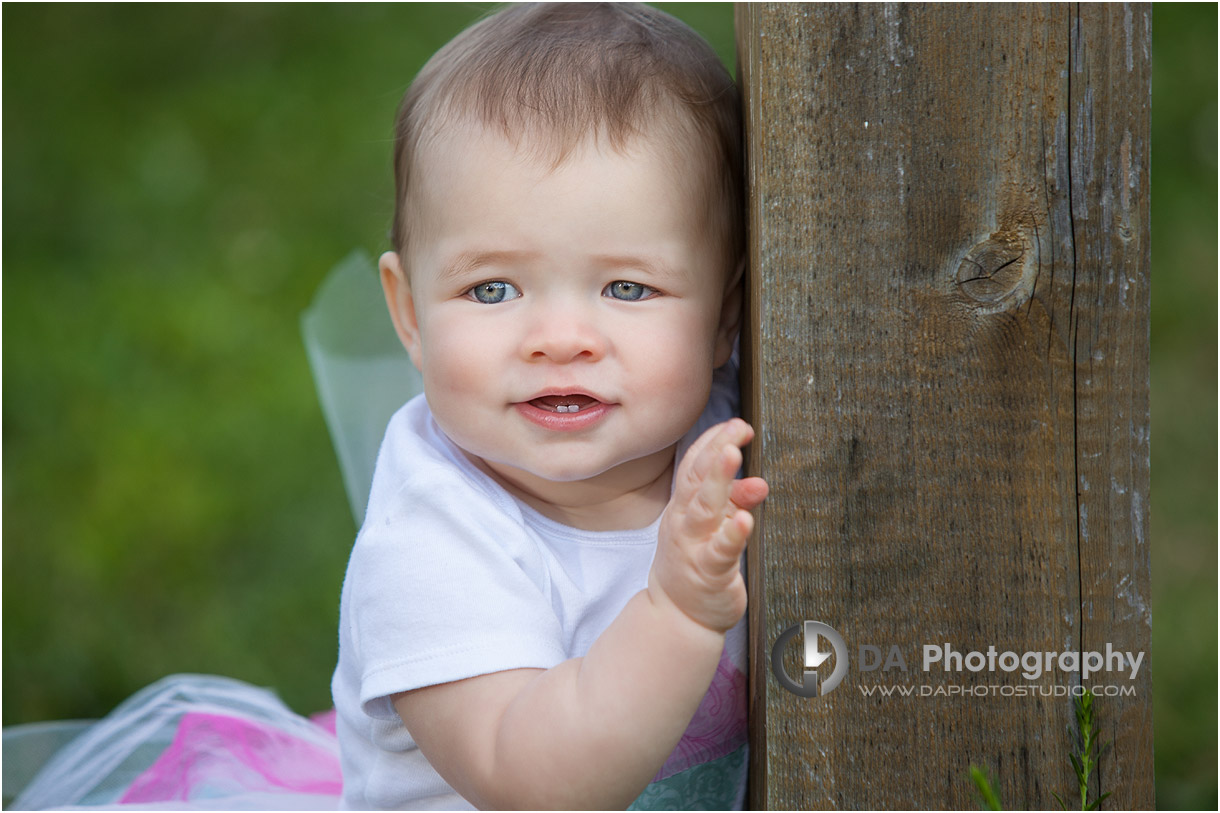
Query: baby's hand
[{"x": 704, "y": 530}]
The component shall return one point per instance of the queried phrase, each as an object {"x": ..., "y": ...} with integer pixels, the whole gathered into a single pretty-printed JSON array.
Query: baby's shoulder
[{"x": 420, "y": 472}]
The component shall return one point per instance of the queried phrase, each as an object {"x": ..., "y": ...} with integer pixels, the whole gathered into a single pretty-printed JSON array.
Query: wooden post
[{"x": 949, "y": 307}]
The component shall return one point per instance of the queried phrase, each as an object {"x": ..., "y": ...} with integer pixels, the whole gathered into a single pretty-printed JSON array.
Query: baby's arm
[{"x": 593, "y": 731}]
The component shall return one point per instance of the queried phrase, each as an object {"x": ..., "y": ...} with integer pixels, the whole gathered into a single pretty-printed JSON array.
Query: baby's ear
[
  {"x": 730, "y": 314},
  {"x": 398, "y": 298}
]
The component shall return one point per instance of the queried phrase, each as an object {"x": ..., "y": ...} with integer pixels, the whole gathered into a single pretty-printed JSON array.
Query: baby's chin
[
  {"x": 553, "y": 471},
  {"x": 519, "y": 472},
  {"x": 579, "y": 471}
]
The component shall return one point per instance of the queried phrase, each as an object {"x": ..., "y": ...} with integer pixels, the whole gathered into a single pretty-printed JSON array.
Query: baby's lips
[
  {"x": 566, "y": 400},
  {"x": 564, "y": 403}
]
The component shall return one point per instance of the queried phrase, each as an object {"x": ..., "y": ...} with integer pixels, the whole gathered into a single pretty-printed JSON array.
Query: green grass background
[{"x": 177, "y": 181}]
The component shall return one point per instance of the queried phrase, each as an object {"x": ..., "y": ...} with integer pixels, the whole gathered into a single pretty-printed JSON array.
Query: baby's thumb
[{"x": 749, "y": 493}]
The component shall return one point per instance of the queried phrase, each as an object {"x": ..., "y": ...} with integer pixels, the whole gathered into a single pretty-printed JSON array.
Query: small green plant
[
  {"x": 1083, "y": 763},
  {"x": 1090, "y": 752},
  {"x": 991, "y": 800}
]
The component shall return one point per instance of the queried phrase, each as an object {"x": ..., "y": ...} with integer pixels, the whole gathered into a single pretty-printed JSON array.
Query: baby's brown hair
[{"x": 563, "y": 72}]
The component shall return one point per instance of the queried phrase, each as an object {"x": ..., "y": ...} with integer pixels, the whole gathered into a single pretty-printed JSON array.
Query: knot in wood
[{"x": 996, "y": 270}]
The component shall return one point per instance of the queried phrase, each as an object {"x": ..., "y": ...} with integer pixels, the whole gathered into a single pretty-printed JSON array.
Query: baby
[{"x": 544, "y": 608}]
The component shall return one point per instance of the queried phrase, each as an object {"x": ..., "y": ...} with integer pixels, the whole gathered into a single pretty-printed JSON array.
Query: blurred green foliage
[
  {"x": 1183, "y": 516},
  {"x": 178, "y": 179}
]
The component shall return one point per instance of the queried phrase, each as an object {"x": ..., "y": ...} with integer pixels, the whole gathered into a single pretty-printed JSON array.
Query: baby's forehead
[
  {"x": 662, "y": 146},
  {"x": 480, "y": 192}
]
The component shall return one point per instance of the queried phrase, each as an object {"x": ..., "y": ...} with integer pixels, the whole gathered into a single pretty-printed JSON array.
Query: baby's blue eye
[
  {"x": 496, "y": 291},
  {"x": 628, "y": 291}
]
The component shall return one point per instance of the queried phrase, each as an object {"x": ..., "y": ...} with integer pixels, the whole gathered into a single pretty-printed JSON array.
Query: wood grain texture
[{"x": 949, "y": 301}]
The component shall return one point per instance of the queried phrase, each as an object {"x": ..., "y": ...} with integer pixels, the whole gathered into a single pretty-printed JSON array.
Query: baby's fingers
[
  {"x": 749, "y": 493},
  {"x": 723, "y": 552},
  {"x": 704, "y": 458},
  {"x": 710, "y": 504}
]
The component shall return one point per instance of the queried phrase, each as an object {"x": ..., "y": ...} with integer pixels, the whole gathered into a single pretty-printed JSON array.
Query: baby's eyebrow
[
  {"x": 467, "y": 261},
  {"x": 653, "y": 266}
]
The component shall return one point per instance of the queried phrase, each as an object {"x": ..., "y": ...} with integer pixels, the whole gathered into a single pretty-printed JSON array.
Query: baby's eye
[
  {"x": 491, "y": 293},
  {"x": 628, "y": 291}
]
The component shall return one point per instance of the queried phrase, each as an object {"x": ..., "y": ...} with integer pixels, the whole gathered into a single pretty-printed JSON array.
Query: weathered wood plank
[{"x": 949, "y": 299}]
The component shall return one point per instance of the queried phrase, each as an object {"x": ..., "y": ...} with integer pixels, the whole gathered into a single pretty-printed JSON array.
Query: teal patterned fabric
[{"x": 715, "y": 785}]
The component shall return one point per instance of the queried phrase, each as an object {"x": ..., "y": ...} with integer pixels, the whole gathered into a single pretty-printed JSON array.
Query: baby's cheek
[
  {"x": 681, "y": 354},
  {"x": 462, "y": 363},
  {"x": 679, "y": 376}
]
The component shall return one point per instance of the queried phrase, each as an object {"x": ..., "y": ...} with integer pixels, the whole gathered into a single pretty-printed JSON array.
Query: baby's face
[{"x": 566, "y": 320}]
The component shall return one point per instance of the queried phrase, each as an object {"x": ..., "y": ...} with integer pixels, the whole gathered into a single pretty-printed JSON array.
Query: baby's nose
[{"x": 563, "y": 334}]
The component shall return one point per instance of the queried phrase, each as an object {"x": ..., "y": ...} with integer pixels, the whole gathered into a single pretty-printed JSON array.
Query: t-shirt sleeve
[{"x": 445, "y": 587}]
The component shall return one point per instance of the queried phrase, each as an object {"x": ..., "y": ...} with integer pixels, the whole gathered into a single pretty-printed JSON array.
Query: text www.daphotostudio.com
[{"x": 947, "y": 659}]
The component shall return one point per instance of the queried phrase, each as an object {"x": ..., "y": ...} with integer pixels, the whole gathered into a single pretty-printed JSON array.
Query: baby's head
[
  {"x": 550, "y": 76},
  {"x": 568, "y": 237}
]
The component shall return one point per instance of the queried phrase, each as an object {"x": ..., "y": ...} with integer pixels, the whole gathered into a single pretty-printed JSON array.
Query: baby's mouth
[{"x": 564, "y": 403}]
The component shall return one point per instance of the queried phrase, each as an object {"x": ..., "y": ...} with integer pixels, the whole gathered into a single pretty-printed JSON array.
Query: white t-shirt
[{"x": 453, "y": 577}]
